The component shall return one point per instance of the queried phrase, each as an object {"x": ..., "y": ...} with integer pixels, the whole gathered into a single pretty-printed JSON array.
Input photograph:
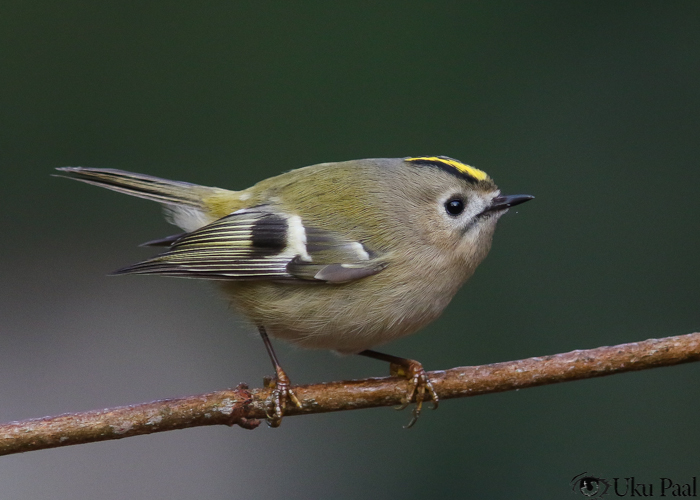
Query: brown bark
[{"x": 244, "y": 407}]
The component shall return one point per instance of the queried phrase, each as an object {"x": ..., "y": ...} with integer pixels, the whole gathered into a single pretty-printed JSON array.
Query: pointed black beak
[{"x": 503, "y": 202}]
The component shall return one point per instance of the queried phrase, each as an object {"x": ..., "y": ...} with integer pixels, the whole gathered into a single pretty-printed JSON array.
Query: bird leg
[
  {"x": 418, "y": 380},
  {"x": 280, "y": 385}
]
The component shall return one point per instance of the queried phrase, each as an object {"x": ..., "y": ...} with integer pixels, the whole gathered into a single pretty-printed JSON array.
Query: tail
[
  {"x": 185, "y": 203},
  {"x": 143, "y": 186}
]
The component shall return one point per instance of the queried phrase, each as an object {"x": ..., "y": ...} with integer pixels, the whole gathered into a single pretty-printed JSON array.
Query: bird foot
[
  {"x": 419, "y": 384},
  {"x": 276, "y": 404}
]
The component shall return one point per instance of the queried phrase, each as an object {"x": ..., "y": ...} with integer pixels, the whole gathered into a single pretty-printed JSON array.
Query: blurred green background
[{"x": 593, "y": 107}]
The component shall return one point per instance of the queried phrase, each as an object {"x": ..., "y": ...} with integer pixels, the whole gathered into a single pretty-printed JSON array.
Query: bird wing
[{"x": 259, "y": 243}]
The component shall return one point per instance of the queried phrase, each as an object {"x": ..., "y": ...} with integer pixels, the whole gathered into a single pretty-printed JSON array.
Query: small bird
[{"x": 343, "y": 256}]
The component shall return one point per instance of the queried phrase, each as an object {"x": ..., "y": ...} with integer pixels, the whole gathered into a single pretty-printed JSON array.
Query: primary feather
[
  {"x": 226, "y": 249},
  {"x": 260, "y": 244}
]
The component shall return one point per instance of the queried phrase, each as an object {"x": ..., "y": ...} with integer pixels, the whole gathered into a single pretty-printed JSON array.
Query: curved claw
[
  {"x": 276, "y": 404},
  {"x": 419, "y": 383}
]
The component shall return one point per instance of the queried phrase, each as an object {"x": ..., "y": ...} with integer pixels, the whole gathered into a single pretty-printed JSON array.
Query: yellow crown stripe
[{"x": 477, "y": 174}]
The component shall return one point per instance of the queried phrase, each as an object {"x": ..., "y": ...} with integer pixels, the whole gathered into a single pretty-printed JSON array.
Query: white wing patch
[
  {"x": 296, "y": 239},
  {"x": 260, "y": 243}
]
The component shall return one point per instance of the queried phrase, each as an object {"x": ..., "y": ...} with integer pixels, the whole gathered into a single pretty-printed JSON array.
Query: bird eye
[{"x": 454, "y": 206}]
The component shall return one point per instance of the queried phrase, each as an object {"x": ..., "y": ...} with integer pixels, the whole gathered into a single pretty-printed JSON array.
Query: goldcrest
[{"x": 343, "y": 256}]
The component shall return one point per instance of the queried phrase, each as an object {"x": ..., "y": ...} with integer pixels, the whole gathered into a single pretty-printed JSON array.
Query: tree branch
[{"x": 244, "y": 407}]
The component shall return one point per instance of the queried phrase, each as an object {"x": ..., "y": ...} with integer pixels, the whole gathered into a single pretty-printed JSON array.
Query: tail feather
[{"x": 144, "y": 186}]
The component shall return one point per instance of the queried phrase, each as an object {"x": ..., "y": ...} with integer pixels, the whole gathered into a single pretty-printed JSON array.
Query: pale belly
[{"x": 347, "y": 318}]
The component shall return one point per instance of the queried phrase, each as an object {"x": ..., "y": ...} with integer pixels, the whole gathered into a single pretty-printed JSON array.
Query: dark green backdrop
[{"x": 594, "y": 107}]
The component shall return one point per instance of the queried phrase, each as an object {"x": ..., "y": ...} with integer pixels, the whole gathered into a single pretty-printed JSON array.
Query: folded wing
[{"x": 260, "y": 244}]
